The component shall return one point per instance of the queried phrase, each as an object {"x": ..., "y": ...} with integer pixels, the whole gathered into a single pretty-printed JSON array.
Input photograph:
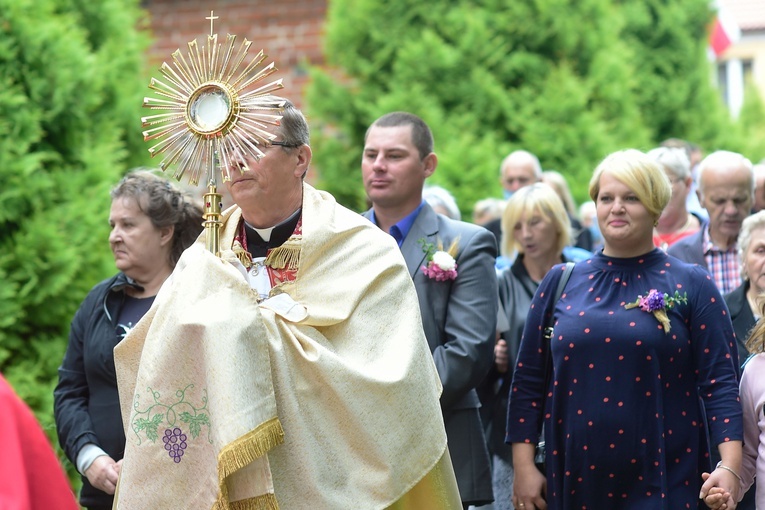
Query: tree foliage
[
  {"x": 71, "y": 84},
  {"x": 569, "y": 80},
  {"x": 751, "y": 125},
  {"x": 674, "y": 90}
]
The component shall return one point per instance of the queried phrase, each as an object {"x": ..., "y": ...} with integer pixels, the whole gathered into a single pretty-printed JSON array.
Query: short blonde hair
[
  {"x": 644, "y": 176},
  {"x": 535, "y": 199}
]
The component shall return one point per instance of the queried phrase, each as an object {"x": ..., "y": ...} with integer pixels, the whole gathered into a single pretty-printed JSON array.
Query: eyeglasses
[{"x": 285, "y": 144}]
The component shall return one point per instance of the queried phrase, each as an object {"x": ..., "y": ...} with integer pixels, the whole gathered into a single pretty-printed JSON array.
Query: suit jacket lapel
[{"x": 424, "y": 227}]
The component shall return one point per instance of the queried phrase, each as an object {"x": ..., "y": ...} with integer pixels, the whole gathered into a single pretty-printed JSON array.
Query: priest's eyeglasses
[{"x": 286, "y": 144}]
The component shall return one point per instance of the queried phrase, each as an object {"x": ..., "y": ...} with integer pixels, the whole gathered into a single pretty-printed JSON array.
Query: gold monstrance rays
[{"x": 211, "y": 113}]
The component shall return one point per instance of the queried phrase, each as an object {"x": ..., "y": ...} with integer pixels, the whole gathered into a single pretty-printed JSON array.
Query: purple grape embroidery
[
  {"x": 169, "y": 415},
  {"x": 175, "y": 443}
]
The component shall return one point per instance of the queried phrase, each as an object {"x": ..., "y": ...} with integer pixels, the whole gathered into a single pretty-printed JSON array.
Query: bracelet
[{"x": 720, "y": 466}]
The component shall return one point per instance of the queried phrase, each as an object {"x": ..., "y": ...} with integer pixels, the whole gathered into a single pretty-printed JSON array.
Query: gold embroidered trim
[
  {"x": 264, "y": 502},
  {"x": 244, "y": 451},
  {"x": 285, "y": 256},
  {"x": 243, "y": 255}
]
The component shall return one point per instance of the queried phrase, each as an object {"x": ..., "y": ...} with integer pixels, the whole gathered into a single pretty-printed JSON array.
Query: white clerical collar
[{"x": 264, "y": 233}]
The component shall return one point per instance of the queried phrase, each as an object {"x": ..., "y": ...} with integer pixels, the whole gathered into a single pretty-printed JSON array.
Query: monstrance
[{"x": 213, "y": 112}]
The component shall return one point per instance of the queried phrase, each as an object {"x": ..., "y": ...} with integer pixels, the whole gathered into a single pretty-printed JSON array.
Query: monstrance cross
[{"x": 211, "y": 18}]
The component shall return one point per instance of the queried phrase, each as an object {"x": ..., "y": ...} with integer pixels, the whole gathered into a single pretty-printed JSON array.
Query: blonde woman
[
  {"x": 640, "y": 338},
  {"x": 536, "y": 227}
]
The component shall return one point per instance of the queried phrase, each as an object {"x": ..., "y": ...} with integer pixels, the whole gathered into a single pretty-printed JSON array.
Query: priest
[{"x": 290, "y": 372}]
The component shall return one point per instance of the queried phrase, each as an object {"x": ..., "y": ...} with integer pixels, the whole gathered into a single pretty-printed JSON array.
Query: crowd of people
[
  {"x": 652, "y": 211},
  {"x": 403, "y": 358}
]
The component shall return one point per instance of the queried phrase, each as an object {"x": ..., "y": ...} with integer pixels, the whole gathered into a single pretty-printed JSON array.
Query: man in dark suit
[{"x": 458, "y": 303}]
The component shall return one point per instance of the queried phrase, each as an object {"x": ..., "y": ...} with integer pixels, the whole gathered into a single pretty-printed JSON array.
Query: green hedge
[{"x": 71, "y": 86}]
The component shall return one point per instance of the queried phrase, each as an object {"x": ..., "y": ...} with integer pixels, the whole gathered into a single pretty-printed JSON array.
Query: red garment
[
  {"x": 664, "y": 241},
  {"x": 31, "y": 477},
  {"x": 275, "y": 275}
]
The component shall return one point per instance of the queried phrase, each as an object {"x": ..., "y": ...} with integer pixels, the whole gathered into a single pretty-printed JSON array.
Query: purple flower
[
  {"x": 658, "y": 304},
  {"x": 653, "y": 301}
]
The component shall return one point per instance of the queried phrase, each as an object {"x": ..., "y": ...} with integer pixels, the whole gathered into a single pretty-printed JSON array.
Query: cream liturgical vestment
[{"x": 322, "y": 396}]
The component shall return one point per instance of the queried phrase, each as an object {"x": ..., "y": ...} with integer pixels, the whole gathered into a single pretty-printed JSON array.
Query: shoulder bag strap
[
  {"x": 558, "y": 293},
  {"x": 548, "y": 332}
]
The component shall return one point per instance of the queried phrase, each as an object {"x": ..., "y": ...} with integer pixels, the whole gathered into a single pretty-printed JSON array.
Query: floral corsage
[
  {"x": 658, "y": 303},
  {"x": 441, "y": 265}
]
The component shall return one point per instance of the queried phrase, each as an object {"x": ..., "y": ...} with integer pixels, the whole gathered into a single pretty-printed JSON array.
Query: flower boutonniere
[
  {"x": 441, "y": 265},
  {"x": 658, "y": 303}
]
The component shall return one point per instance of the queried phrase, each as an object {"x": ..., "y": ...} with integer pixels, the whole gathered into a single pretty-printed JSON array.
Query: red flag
[{"x": 725, "y": 31}]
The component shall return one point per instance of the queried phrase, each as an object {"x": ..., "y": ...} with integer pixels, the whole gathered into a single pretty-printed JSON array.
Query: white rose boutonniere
[{"x": 441, "y": 265}]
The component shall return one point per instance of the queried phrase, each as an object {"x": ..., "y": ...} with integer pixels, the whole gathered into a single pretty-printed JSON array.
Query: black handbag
[{"x": 540, "y": 452}]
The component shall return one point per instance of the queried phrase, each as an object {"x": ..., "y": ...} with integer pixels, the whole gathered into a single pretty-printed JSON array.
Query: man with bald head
[
  {"x": 518, "y": 169},
  {"x": 726, "y": 191}
]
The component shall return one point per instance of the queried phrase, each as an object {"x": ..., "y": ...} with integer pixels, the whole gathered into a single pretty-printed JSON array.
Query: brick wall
[{"x": 288, "y": 31}]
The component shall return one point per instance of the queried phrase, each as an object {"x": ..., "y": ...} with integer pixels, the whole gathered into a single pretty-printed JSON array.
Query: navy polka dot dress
[{"x": 624, "y": 418}]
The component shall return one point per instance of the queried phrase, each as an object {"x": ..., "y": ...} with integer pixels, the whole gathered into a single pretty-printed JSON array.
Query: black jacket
[
  {"x": 86, "y": 400},
  {"x": 742, "y": 318},
  {"x": 516, "y": 290}
]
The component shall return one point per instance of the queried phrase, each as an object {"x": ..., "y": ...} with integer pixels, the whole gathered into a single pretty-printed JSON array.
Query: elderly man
[
  {"x": 726, "y": 188},
  {"x": 521, "y": 168},
  {"x": 518, "y": 169},
  {"x": 291, "y": 371},
  {"x": 452, "y": 265}
]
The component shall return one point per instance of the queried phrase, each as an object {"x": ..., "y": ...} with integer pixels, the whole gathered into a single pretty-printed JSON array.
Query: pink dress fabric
[{"x": 752, "y": 391}]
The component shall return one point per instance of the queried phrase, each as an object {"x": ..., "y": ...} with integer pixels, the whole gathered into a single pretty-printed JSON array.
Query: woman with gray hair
[
  {"x": 743, "y": 302},
  {"x": 152, "y": 224},
  {"x": 675, "y": 221},
  {"x": 441, "y": 201}
]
